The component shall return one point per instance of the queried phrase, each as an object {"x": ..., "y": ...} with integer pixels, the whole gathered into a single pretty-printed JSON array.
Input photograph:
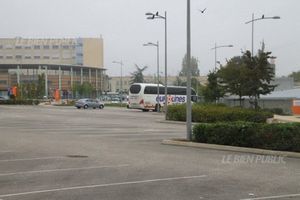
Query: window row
[
  {"x": 34, "y": 57},
  {"x": 38, "y": 47}
]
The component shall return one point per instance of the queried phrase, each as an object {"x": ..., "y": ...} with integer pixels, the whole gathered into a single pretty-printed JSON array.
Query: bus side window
[{"x": 194, "y": 98}]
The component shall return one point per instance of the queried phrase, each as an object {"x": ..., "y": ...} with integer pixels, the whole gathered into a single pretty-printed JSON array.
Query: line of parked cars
[{"x": 89, "y": 103}]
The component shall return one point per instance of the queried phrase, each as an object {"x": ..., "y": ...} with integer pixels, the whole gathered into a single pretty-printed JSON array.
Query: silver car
[{"x": 89, "y": 103}]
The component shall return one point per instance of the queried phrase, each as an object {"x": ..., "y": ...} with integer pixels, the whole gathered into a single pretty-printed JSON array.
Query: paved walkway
[{"x": 294, "y": 118}]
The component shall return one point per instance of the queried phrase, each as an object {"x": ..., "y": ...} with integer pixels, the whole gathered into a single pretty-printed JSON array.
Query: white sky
[{"x": 124, "y": 28}]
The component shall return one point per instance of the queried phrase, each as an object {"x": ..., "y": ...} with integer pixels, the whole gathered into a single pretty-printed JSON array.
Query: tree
[
  {"x": 40, "y": 86},
  {"x": 259, "y": 74},
  {"x": 232, "y": 77},
  {"x": 194, "y": 67},
  {"x": 83, "y": 90},
  {"x": 213, "y": 91},
  {"x": 137, "y": 76},
  {"x": 179, "y": 82},
  {"x": 248, "y": 76}
]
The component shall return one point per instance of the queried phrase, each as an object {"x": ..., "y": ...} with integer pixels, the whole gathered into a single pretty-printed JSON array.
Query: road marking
[
  {"x": 6, "y": 152},
  {"x": 61, "y": 170},
  {"x": 102, "y": 185},
  {"x": 274, "y": 197},
  {"x": 30, "y": 159}
]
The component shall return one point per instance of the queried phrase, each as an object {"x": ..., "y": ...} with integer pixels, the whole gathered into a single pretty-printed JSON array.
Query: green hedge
[
  {"x": 19, "y": 102},
  {"x": 282, "y": 136},
  {"x": 217, "y": 113}
]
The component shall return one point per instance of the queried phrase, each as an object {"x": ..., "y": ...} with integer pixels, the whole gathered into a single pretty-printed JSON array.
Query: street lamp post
[
  {"x": 157, "y": 47},
  {"x": 121, "y": 79},
  {"x": 152, "y": 16},
  {"x": 252, "y": 22},
  {"x": 215, "y": 48},
  {"x": 188, "y": 92}
]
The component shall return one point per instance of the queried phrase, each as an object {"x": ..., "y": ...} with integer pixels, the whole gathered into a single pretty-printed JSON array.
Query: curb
[
  {"x": 231, "y": 148},
  {"x": 174, "y": 122}
]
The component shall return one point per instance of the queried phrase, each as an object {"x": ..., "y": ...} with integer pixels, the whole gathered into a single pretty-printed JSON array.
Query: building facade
[{"x": 64, "y": 63}]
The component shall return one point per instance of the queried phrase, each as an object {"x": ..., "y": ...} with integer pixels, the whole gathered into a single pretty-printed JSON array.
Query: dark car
[{"x": 89, "y": 103}]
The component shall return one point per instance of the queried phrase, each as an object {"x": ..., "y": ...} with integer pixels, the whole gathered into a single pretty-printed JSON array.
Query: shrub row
[
  {"x": 19, "y": 102},
  {"x": 217, "y": 113},
  {"x": 282, "y": 136}
]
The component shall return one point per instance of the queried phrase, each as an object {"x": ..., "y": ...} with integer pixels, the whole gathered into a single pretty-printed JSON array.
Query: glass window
[
  {"x": 27, "y": 57},
  {"x": 135, "y": 89},
  {"x": 37, "y": 47},
  {"x": 1, "y": 46},
  {"x": 150, "y": 90},
  {"x": 27, "y": 47},
  {"x": 18, "y": 57},
  {"x": 37, "y": 57},
  {"x": 3, "y": 82},
  {"x": 1, "y": 57},
  {"x": 46, "y": 57},
  {"x": 18, "y": 47},
  {"x": 46, "y": 47},
  {"x": 9, "y": 57},
  {"x": 55, "y": 47},
  {"x": 65, "y": 47}
]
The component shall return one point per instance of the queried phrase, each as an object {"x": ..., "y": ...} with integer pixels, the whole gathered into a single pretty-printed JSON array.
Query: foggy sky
[{"x": 124, "y": 28}]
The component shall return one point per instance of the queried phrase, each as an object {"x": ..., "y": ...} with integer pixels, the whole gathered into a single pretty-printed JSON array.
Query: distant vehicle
[
  {"x": 115, "y": 100},
  {"x": 144, "y": 96},
  {"x": 89, "y": 103},
  {"x": 3, "y": 99}
]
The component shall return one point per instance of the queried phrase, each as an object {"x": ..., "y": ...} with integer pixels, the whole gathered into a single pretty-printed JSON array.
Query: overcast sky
[{"x": 124, "y": 28}]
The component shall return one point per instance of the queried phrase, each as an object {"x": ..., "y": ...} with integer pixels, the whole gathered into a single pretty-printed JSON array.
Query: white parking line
[
  {"x": 6, "y": 152},
  {"x": 102, "y": 185},
  {"x": 30, "y": 159},
  {"x": 274, "y": 197},
  {"x": 61, "y": 170}
]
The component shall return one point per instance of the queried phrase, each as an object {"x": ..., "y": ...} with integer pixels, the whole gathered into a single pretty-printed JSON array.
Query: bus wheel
[{"x": 145, "y": 110}]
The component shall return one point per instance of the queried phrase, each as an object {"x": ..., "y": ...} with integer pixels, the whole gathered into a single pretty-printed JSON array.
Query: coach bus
[{"x": 144, "y": 96}]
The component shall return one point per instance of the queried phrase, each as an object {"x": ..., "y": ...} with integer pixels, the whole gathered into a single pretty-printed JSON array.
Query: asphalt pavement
[{"x": 53, "y": 152}]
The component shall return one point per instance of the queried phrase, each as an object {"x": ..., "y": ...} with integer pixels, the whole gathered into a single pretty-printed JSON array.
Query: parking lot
[{"x": 53, "y": 152}]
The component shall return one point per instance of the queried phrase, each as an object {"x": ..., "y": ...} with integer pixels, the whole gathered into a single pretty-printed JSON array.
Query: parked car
[
  {"x": 3, "y": 98},
  {"x": 89, "y": 103}
]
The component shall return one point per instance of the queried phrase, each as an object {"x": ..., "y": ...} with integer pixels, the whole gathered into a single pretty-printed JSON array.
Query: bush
[
  {"x": 284, "y": 137},
  {"x": 217, "y": 113},
  {"x": 19, "y": 102},
  {"x": 276, "y": 111}
]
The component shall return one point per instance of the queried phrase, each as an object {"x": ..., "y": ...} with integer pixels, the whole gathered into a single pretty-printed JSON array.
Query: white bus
[{"x": 144, "y": 96}]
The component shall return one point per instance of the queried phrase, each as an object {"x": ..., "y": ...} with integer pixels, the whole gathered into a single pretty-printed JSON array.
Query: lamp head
[{"x": 149, "y": 13}]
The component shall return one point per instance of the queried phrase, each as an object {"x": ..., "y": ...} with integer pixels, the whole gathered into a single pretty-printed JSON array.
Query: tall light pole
[
  {"x": 121, "y": 79},
  {"x": 157, "y": 47},
  {"x": 217, "y": 47},
  {"x": 252, "y": 22},
  {"x": 152, "y": 16},
  {"x": 188, "y": 92}
]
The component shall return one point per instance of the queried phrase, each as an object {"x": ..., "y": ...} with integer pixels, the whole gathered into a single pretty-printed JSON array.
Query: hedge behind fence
[
  {"x": 217, "y": 113},
  {"x": 283, "y": 136},
  {"x": 19, "y": 102}
]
